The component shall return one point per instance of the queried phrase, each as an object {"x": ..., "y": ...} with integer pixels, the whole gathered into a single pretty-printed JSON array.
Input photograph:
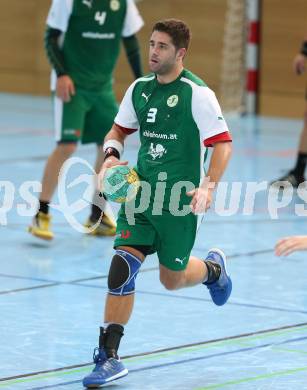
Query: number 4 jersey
[
  {"x": 176, "y": 122},
  {"x": 92, "y": 34}
]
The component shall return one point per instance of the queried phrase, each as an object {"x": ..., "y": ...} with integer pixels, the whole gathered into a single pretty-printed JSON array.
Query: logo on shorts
[
  {"x": 114, "y": 5},
  {"x": 156, "y": 151},
  {"x": 125, "y": 234},
  {"x": 179, "y": 260},
  {"x": 172, "y": 101},
  {"x": 74, "y": 132}
]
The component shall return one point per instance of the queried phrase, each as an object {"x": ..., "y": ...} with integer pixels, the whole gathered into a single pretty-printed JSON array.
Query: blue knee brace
[{"x": 123, "y": 272}]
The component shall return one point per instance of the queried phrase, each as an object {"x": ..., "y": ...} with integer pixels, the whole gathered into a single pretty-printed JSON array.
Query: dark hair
[{"x": 177, "y": 30}]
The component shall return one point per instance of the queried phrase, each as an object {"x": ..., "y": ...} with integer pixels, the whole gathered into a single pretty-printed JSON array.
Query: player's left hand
[
  {"x": 201, "y": 200},
  {"x": 287, "y": 245},
  {"x": 65, "y": 88}
]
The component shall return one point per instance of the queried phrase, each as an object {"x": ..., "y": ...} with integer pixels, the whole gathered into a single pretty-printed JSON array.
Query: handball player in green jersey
[
  {"x": 177, "y": 117},
  {"x": 82, "y": 43}
]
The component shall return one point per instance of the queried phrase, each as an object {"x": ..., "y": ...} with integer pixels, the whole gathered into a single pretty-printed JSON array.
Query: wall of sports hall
[{"x": 24, "y": 68}]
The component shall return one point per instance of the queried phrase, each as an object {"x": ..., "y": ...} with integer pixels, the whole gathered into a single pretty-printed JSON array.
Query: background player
[
  {"x": 176, "y": 114},
  {"x": 82, "y": 43},
  {"x": 296, "y": 175}
]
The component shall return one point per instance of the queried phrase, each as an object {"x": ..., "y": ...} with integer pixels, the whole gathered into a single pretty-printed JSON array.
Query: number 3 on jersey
[
  {"x": 151, "y": 116},
  {"x": 100, "y": 17}
]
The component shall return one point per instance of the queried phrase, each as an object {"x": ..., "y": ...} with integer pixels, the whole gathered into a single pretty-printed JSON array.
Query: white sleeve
[
  {"x": 207, "y": 113},
  {"x": 133, "y": 20},
  {"x": 59, "y": 14},
  {"x": 126, "y": 116}
]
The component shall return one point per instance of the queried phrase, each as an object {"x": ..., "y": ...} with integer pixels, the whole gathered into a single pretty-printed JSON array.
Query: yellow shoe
[
  {"x": 106, "y": 227},
  {"x": 41, "y": 226}
]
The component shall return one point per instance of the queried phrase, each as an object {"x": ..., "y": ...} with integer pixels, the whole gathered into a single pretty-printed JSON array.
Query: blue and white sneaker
[
  {"x": 105, "y": 371},
  {"x": 221, "y": 289}
]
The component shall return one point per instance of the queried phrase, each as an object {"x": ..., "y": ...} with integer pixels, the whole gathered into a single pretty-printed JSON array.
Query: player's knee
[
  {"x": 123, "y": 272},
  {"x": 67, "y": 149}
]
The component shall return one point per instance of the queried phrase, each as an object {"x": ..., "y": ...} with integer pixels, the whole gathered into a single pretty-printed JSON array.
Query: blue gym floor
[{"x": 52, "y": 294}]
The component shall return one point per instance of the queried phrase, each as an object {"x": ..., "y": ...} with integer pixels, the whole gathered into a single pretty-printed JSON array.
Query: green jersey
[
  {"x": 92, "y": 35},
  {"x": 176, "y": 122}
]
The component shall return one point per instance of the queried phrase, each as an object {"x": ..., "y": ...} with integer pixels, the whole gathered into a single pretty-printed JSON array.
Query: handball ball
[{"x": 120, "y": 183}]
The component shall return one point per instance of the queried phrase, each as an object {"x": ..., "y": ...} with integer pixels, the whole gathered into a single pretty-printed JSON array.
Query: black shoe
[{"x": 288, "y": 180}]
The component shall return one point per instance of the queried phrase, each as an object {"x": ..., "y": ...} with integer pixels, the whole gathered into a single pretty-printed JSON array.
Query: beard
[{"x": 161, "y": 69}]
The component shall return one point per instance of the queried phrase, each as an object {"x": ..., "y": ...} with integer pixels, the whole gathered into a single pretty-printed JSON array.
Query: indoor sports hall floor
[{"x": 52, "y": 294}]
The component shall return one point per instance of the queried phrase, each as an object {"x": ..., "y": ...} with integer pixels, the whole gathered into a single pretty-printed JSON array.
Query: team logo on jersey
[
  {"x": 172, "y": 101},
  {"x": 156, "y": 151},
  {"x": 114, "y": 5},
  {"x": 88, "y": 3}
]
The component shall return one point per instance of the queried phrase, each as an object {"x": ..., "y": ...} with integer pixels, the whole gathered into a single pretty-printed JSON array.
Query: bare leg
[
  {"x": 118, "y": 309},
  {"x": 195, "y": 273},
  {"x": 52, "y": 169},
  {"x": 296, "y": 175},
  {"x": 303, "y": 138}
]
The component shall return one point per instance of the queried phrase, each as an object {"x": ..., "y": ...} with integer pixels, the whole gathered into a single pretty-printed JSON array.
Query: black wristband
[
  {"x": 304, "y": 48},
  {"x": 111, "y": 152}
]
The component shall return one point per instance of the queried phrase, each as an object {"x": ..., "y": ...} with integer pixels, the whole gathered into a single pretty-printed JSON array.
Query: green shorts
[
  {"x": 172, "y": 237},
  {"x": 87, "y": 117}
]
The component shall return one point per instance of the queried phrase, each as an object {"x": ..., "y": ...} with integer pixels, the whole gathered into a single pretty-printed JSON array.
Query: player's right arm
[
  {"x": 57, "y": 22},
  {"x": 113, "y": 147},
  {"x": 125, "y": 123},
  {"x": 299, "y": 61}
]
